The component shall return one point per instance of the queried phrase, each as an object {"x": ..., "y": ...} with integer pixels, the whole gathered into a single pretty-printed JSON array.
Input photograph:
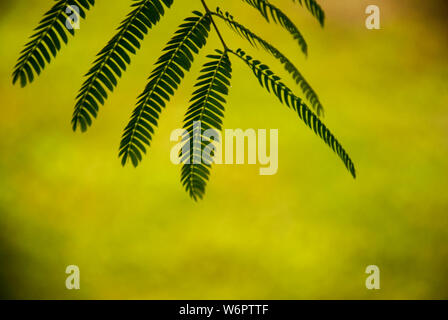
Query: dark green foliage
[
  {"x": 269, "y": 11},
  {"x": 207, "y": 110},
  {"x": 271, "y": 82},
  {"x": 177, "y": 57},
  {"x": 46, "y": 41},
  {"x": 114, "y": 58},
  {"x": 314, "y": 8},
  {"x": 289, "y": 66},
  {"x": 204, "y": 118}
]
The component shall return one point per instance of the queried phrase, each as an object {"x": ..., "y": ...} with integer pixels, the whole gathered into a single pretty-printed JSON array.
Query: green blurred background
[{"x": 308, "y": 232}]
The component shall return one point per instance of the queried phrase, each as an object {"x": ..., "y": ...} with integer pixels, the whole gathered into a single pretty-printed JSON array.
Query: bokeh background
[{"x": 308, "y": 232}]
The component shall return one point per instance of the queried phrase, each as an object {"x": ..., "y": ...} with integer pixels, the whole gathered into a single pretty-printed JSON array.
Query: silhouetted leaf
[
  {"x": 45, "y": 43},
  {"x": 314, "y": 8},
  {"x": 112, "y": 61},
  {"x": 177, "y": 57},
  {"x": 272, "y": 83},
  {"x": 207, "y": 110},
  {"x": 269, "y": 11},
  {"x": 255, "y": 40}
]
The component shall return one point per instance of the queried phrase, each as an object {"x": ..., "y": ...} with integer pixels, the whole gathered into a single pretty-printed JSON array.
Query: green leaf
[
  {"x": 112, "y": 61},
  {"x": 178, "y": 57},
  {"x": 205, "y": 112},
  {"x": 46, "y": 41},
  {"x": 314, "y": 8},
  {"x": 272, "y": 83},
  {"x": 255, "y": 40},
  {"x": 269, "y": 11}
]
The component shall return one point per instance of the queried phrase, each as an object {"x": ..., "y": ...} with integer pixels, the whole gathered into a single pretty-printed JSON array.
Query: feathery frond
[
  {"x": 204, "y": 118},
  {"x": 46, "y": 41},
  {"x": 267, "y": 10},
  {"x": 204, "y": 114},
  {"x": 178, "y": 55},
  {"x": 254, "y": 39},
  {"x": 114, "y": 58},
  {"x": 271, "y": 82},
  {"x": 314, "y": 8}
]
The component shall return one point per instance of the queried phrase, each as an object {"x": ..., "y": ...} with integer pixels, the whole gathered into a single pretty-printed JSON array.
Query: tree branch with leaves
[{"x": 208, "y": 101}]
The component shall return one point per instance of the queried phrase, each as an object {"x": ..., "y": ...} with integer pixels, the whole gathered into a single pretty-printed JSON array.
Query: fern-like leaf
[
  {"x": 114, "y": 58},
  {"x": 314, "y": 8},
  {"x": 255, "y": 40},
  {"x": 268, "y": 10},
  {"x": 271, "y": 82},
  {"x": 205, "y": 113},
  {"x": 46, "y": 41},
  {"x": 178, "y": 57}
]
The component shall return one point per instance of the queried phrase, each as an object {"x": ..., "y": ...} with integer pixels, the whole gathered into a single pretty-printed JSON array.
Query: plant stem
[{"x": 207, "y": 10}]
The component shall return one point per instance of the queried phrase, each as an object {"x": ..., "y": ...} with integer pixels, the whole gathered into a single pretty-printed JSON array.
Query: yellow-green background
[{"x": 307, "y": 232}]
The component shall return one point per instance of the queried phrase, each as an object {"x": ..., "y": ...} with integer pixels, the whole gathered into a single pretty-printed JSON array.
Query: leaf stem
[{"x": 207, "y": 10}]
